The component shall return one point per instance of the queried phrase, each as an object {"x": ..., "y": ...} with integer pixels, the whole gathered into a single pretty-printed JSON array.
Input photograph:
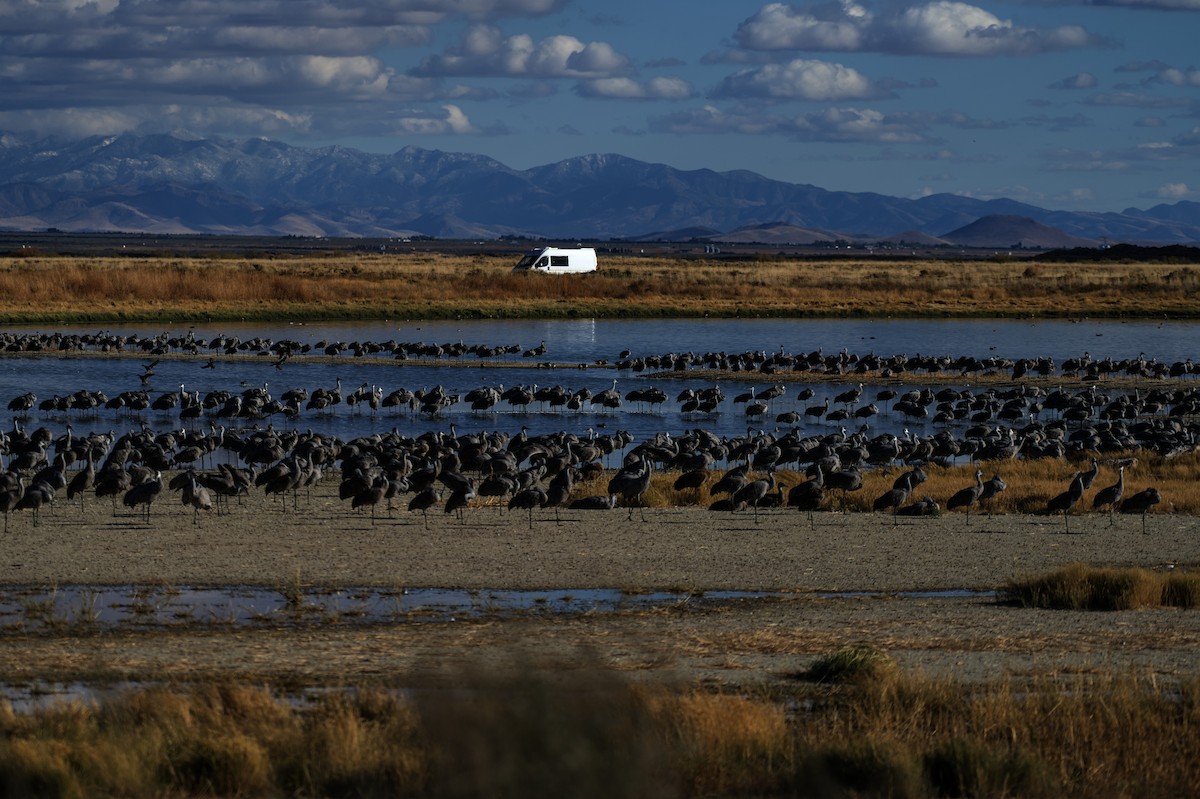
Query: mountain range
[{"x": 179, "y": 183}]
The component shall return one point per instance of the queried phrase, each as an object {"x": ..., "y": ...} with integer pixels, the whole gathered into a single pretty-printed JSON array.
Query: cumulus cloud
[
  {"x": 485, "y": 51},
  {"x": 1180, "y": 77},
  {"x": 452, "y": 120},
  {"x": 1173, "y": 191},
  {"x": 940, "y": 28},
  {"x": 1131, "y": 99},
  {"x": 1082, "y": 80},
  {"x": 801, "y": 79},
  {"x": 832, "y": 125},
  {"x": 630, "y": 89},
  {"x": 253, "y": 66}
]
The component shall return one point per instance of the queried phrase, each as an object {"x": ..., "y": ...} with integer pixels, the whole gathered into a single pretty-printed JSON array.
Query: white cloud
[
  {"x": 1180, "y": 77},
  {"x": 484, "y": 51},
  {"x": 1129, "y": 99},
  {"x": 831, "y": 125},
  {"x": 1173, "y": 191},
  {"x": 801, "y": 79},
  {"x": 778, "y": 26},
  {"x": 630, "y": 89},
  {"x": 1082, "y": 80},
  {"x": 941, "y": 28}
]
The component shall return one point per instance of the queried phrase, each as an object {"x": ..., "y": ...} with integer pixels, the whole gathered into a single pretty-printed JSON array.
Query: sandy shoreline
[
  {"x": 327, "y": 543},
  {"x": 737, "y": 643}
]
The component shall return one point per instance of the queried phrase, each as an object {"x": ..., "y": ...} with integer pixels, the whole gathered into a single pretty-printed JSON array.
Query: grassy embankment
[
  {"x": 40, "y": 289},
  {"x": 1031, "y": 484},
  {"x": 850, "y": 725}
]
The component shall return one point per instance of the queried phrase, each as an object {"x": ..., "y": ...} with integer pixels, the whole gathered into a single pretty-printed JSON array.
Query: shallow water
[
  {"x": 570, "y": 341},
  {"x": 40, "y": 609}
]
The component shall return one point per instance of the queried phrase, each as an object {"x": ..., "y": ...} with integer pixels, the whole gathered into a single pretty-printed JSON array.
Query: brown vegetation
[
  {"x": 587, "y": 733},
  {"x": 432, "y": 285},
  {"x": 1031, "y": 484},
  {"x": 1080, "y": 587}
]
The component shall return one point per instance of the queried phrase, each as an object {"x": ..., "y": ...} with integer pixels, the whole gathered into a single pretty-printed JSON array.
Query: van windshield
[{"x": 527, "y": 261}]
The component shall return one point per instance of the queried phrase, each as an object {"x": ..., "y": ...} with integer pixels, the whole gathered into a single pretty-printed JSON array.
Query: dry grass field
[
  {"x": 847, "y": 681},
  {"x": 432, "y": 285}
]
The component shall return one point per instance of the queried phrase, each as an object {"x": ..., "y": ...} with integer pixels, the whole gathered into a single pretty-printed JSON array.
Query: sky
[{"x": 1083, "y": 105}]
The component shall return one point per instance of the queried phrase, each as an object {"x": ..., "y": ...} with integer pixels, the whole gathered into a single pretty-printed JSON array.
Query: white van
[{"x": 558, "y": 260}]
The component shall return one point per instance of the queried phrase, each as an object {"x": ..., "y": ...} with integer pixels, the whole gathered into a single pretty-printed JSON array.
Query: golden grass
[
  {"x": 1031, "y": 484},
  {"x": 570, "y": 729},
  {"x": 1081, "y": 587},
  {"x": 432, "y": 285}
]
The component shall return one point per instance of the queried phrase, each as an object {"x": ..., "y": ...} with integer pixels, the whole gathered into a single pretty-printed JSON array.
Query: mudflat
[
  {"x": 916, "y": 588},
  {"x": 261, "y": 542}
]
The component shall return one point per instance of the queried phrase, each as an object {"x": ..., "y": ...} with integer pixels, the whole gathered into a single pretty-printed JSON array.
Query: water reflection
[{"x": 142, "y": 607}]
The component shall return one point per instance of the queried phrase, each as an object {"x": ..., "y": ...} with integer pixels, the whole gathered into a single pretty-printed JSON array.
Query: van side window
[
  {"x": 558, "y": 260},
  {"x": 541, "y": 261}
]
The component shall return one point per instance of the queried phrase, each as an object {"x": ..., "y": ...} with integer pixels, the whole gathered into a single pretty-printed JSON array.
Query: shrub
[
  {"x": 853, "y": 664},
  {"x": 969, "y": 768}
]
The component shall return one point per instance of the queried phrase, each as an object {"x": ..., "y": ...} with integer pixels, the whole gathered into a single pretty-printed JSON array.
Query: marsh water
[{"x": 582, "y": 353}]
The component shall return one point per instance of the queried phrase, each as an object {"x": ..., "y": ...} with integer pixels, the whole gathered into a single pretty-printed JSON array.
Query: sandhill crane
[
  {"x": 594, "y": 503},
  {"x": 925, "y": 506},
  {"x": 850, "y": 396},
  {"x": 817, "y": 411},
  {"x": 24, "y": 403},
  {"x": 757, "y": 406},
  {"x": 1090, "y": 475},
  {"x": 991, "y": 488},
  {"x": 631, "y": 483},
  {"x": 12, "y": 489},
  {"x": 844, "y": 480},
  {"x": 528, "y": 498},
  {"x": 144, "y": 494},
  {"x": 809, "y": 495},
  {"x": 371, "y": 495},
  {"x": 608, "y": 398},
  {"x": 83, "y": 480},
  {"x": 462, "y": 491},
  {"x": 693, "y": 479},
  {"x": 1111, "y": 495},
  {"x": 892, "y": 498},
  {"x": 1067, "y": 499},
  {"x": 197, "y": 496},
  {"x": 38, "y": 493},
  {"x": 1141, "y": 502},
  {"x": 966, "y": 497},
  {"x": 423, "y": 500},
  {"x": 559, "y": 491},
  {"x": 731, "y": 481},
  {"x": 753, "y": 492}
]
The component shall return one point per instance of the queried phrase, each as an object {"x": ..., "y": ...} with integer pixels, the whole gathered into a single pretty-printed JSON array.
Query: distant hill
[
  {"x": 1006, "y": 230},
  {"x": 181, "y": 183},
  {"x": 778, "y": 234}
]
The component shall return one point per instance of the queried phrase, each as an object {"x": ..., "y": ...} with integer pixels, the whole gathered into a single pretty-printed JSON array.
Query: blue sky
[{"x": 1084, "y": 105}]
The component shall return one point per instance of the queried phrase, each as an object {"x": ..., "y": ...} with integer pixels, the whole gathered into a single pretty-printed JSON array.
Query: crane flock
[{"x": 1020, "y": 418}]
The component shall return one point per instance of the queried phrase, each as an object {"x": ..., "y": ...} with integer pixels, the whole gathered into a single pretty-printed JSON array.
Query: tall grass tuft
[
  {"x": 854, "y": 665},
  {"x": 963, "y": 767},
  {"x": 570, "y": 728},
  {"x": 863, "y": 767},
  {"x": 1081, "y": 587},
  {"x": 728, "y": 745},
  {"x": 528, "y": 730}
]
